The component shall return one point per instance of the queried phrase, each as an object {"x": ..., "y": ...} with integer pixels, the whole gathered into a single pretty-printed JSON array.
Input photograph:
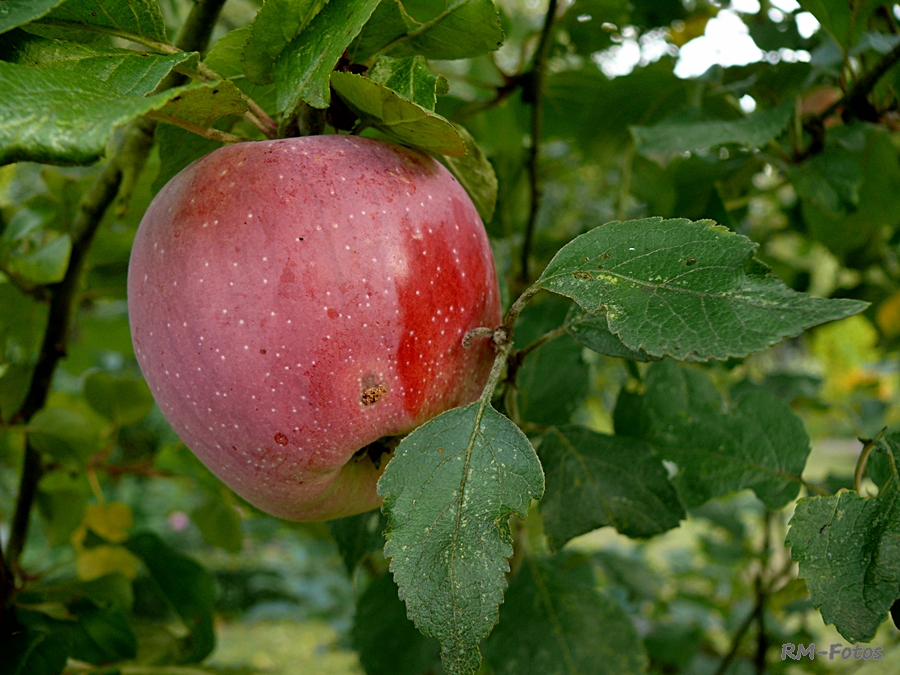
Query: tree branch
[
  {"x": 855, "y": 103},
  {"x": 536, "y": 93}
]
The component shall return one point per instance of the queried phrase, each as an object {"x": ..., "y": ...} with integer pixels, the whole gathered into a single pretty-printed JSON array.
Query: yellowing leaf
[
  {"x": 109, "y": 521},
  {"x": 888, "y": 316},
  {"x": 93, "y": 563}
]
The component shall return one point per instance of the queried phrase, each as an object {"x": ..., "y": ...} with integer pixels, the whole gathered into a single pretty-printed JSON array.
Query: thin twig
[
  {"x": 869, "y": 444},
  {"x": 537, "y": 75},
  {"x": 541, "y": 341},
  {"x": 206, "y": 132}
]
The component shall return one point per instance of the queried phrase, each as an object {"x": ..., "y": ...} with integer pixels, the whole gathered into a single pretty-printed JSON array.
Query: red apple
[{"x": 294, "y": 301}]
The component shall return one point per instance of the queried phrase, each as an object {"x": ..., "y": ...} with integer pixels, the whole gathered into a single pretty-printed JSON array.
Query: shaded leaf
[
  {"x": 277, "y": 23},
  {"x": 187, "y": 586},
  {"x": 554, "y": 379},
  {"x": 685, "y": 289},
  {"x": 66, "y": 435},
  {"x": 220, "y": 524},
  {"x": 46, "y": 265},
  {"x": 399, "y": 118},
  {"x": 476, "y": 174},
  {"x": 555, "y": 620},
  {"x": 449, "y": 492},
  {"x": 34, "y": 652},
  {"x": 848, "y": 549},
  {"x": 388, "y": 643},
  {"x": 595, "y": 480},
  {"x": 753, "y": 131},
  {"x": 592, "y": 331},
  {"x": 124, "y": 400},
  {"x": 357, "y": 536},
  {"x": 303, "y": 69},
  {"x": 844, "y": 21},
  {"x": 760, "y": 444}
]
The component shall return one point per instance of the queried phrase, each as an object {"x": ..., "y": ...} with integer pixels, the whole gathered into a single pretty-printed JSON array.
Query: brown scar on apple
[{"x": 372, "y": 395}]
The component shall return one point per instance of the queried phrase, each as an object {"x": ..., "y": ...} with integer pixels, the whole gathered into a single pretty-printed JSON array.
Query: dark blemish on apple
[
  {"x": 584, "y": 276},
  {"x": 281, "y": 439},
  {"x": 372, "y": 395},
  {"x": 262, "y": 351},
  {"x": 177, "y": 233},
  {"x": 690, "y": 261},
  {"x": 332, "y": 313}
]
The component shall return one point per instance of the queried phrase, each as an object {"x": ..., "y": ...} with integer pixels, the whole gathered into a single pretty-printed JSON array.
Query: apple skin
[{"x": 293, "y": 301}]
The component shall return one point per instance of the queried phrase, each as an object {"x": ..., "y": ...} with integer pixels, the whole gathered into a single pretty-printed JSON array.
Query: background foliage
[{"x": 671, "y": 451}]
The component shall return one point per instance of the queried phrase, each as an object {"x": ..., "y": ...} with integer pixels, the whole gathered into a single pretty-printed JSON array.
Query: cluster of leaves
[{"x": 551, "y": 150}]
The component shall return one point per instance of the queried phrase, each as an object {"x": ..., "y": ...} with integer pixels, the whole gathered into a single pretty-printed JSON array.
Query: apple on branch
[{"x": 294, "y": 302}]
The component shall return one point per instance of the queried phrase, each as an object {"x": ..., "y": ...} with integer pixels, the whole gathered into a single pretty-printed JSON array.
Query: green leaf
[
  {"x": 583, "y": 23},
  {"x": 226, "y": 58},
  {"x": 177, "y": 148},
  {"x": 831, "y": 180},
  {"x": 203, "y": 104},
  {"x": 277, "y": 23},
  {"x": 448, "y": 494},
  {"x": 47, "y": 265},
  {"x": 674, "y": 136},
  {"x": 34, "y": 652},
  {"x": 220, "y": 524},
  {"x": 357, "y": 536},
  {"x": 101, "y": 636},
  {"x": 130, "y": 72},
  {"x": 403, "y": 120},
  {"x": 476, "y": 174},
  {"x": 576, "y": 99},
  {"x": 18, "y": 12},
  {"x": 465, "y": 29},
  {"x": 303, "y": 69},
  {"x": 848, "y": 549},
  {"x": 56, "y": 116},
  {"x": 554, "y": 379},
  {"x": 388, "y": 22},
  {"x": 555, "y": 620},
  {"x": 877, "y": 201},
  {"x": 685, "y": 289},
  {"x": 844, "y": 21},
  {"x": 62, "y": 499},
  {"x": 65, "y": 434},
  {"x": 388, "y": 643},
  {"x": 592, "y": 331},
  {"x": 595, "y": 480},
  {"x": 188, "y": 587},
  {"x": 123, "y": 18},
  {"x": 22, "y": 323},
  {"x": 411, "y": 79},
  {"x": 124, "y": 400},
  {"x": 760, "y": 444}
]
